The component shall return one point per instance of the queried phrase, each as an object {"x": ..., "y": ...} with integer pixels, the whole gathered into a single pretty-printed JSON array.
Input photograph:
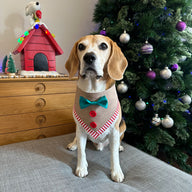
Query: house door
[{"x": 40, "y": 62}]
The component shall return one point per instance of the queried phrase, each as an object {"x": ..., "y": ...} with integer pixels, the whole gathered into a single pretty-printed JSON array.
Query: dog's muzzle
[{"x": 89, "y": 58}]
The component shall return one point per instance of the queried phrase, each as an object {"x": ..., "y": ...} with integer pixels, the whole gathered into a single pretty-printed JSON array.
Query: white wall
[{"x": 67, "y": 19}]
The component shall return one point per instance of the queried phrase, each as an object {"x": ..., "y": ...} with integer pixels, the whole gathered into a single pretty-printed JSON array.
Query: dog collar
[{"x": 95, "y": 118}]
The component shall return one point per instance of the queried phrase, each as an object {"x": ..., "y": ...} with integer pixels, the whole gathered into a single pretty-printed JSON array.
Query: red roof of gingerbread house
[{"x": 20, "y": 47}]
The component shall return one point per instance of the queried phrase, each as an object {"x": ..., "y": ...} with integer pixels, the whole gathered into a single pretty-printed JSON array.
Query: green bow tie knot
[{"x": 84, "y": 103}]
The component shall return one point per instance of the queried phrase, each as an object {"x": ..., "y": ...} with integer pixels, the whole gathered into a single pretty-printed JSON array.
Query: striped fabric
[{"x": 90, "y": 131}]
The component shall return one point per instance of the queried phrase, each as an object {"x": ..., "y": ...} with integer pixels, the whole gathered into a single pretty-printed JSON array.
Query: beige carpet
[{"x": 46, "y": 166}]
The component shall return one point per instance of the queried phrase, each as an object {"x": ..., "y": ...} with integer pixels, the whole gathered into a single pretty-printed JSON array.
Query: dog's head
[
  {"x": 32, "y": 7},
  {"x": 95, "y": 55}
]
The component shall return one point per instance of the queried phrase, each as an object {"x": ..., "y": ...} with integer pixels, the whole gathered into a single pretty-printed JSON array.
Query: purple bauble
[
  {"x": 174, "y": 67},
  {"x": 103, "y": 32},
  {"x": 151, "y": 74},
  {"x": 147, "y": 48},
  {"x": 181, "y": 26}
]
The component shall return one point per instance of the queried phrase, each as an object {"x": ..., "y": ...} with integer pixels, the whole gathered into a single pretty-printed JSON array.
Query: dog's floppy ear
[
  {"x": 117, "y": 62},
  {"x": 72, "y": 64}
]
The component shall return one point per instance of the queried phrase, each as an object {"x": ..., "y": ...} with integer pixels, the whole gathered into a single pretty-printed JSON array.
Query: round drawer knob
[
  {"x": 40, "y": 103},
  {"x": 41, "y": 119},
  {"x": 41, "y": 137},
  {"x": 40, "y": 88}
]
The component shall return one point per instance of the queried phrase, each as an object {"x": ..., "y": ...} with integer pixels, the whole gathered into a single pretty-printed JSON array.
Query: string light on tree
[{"x": 124, "y": 37}]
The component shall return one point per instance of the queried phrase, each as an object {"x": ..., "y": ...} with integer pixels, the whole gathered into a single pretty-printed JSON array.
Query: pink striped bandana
[{"x": 96, "y": 119}]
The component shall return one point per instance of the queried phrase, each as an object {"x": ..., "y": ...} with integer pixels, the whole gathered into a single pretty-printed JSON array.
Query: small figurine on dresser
[
  {"x": 8, "y": 66},
  {"x": 37, "y": 46},
  {"x": 33, "y": 10}
]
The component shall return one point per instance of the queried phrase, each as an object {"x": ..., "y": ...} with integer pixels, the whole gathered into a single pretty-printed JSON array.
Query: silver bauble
[
  {"x": 156, "y": 121},
  {"x": 183, "y": 58},
  {"x": 124, "y": 37},
  {"x": 165, "y": 73},
  {"x": 122, "y": 87},
  {"x": 167, "y": 122},
  {"x": 140, "y": 105},
  {"x": 186, "y": 99}
]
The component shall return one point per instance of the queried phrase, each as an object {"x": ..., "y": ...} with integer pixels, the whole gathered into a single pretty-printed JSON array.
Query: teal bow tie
[{"x": 102, "y": 101}]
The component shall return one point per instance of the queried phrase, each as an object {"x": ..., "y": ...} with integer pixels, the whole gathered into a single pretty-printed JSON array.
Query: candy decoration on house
[
  {"x": 37, "y": 47},
  {"x": 22, "y": 38}
]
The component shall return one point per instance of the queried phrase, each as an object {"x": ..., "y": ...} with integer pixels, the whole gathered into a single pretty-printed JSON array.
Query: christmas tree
[
  {"x": 4, "y": 63},
  {"x": 156, "y": 38},
  {"x": 11, "y": 65}
]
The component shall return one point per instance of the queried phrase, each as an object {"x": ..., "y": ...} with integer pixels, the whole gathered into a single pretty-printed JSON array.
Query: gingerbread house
[{"x": 38, "y": 50}]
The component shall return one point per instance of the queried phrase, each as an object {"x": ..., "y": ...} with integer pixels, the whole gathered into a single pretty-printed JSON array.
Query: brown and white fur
[{"x": 99, "y": 62}]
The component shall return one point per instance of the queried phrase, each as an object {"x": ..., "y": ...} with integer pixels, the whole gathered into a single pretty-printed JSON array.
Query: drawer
[
  {"x": 36, "y": 133},
  {"x": 36, "y": 88},
  {"x": 31, "y": 104},
  {"x": 14, "y": 123}
]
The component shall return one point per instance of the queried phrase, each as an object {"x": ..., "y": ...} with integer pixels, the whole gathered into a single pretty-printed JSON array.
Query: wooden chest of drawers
[{"x": 32, "y": 108}]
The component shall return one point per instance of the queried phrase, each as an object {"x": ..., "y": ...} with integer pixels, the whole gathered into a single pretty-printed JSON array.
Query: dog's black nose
[
  {"x": 37, "y": 3},
  {"x": 89, "y": 58}
]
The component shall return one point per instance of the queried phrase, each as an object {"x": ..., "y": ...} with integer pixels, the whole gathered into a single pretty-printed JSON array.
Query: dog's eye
[
  {"x": 81, "y": 47},
  {"x": 103, "y": 46}
]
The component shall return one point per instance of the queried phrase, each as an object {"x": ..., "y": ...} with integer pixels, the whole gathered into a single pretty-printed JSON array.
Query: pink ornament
[
  {"x": 181, "y": 26},
  {"x": 151, "y": 74},
  {"x": 103, "y": 32},
  {"x": 174, "y": 67}
]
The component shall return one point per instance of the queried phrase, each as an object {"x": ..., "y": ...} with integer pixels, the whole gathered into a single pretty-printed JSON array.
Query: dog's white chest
[{"x": 96, "y": 112}]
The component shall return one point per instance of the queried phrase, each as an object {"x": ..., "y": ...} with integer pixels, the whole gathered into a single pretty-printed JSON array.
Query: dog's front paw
[
  {"x": 117, "y": 175},
  {"x": 72, "y": 146},
  {"x": 81, "y": 171},
  {"x": 121, "y": 148},
  {"x": 99, "y": 146}
]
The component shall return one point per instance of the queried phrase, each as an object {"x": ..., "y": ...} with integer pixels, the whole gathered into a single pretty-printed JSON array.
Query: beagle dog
[{"x": 97, "y": 112}]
